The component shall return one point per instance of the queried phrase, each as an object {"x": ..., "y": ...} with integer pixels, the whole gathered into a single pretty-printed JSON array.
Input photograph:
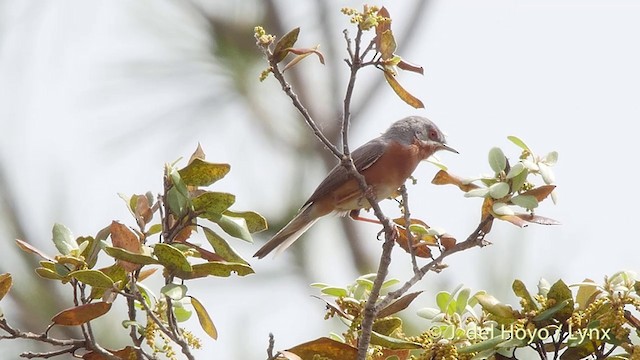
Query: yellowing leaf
[
  {"x": 402, "y": 93},
  {"x": 443, "y": 177},
  {"x": 94, "y": 278},
  {"x": 325, "y": 348},
  {"x": 212, "y": 204},
  {"x": 127, "y": 256},
  {"x": 202, "y": 173},
  {"x": 81, "y": 314},
  {"x": 382, "y": 26},
  {"x": 387, "y": 45},
  {"x": 172, "y": 258},
  {"x": 128, "y": 353},
  {"x": 204, "y": 319},
  {"x": 221, "y": 269},
  {"x": 5, "y": 284}
]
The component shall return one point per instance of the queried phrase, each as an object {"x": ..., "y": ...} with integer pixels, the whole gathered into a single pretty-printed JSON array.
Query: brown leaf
[
  {"x": 398, "y": 305},
  {"x": 333, "y": 307},
  {"x": 541, "y": 192},
  {"x": 128, "y": 353},
  {"x": 303, "y": 53},
  {"x": 407, "y": 66},
  {"x": 122, "y": 237},
  {"x": 487, "y": 211},
  {"x": 28, "y": 248},
  {"x": 5, "y": 284},
  {"x": 444, "y": 178},
  {"x": 447, "y": 241},
  {"x": 419, "y": 249},
  {"x": 283, "y": 45},
  {"x": 401, "y": 92},
  {"x": 142, "y": 209},
  {"x": 198, "y": 154},
  {"x": 81, "y": 314},
  {"x": 184, "y": 234},
  {"x": 146, "y": 273},
  {"x": 538, "y": 219},
  {"x": 325, "y": 348}
]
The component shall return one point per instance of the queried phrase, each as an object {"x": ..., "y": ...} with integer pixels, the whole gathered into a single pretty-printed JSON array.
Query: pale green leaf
[
  {"x": 63, "y": 239},
  {"x": 497, "y": 160}
]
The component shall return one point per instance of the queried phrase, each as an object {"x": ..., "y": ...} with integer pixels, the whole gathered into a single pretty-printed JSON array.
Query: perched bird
[{"x": 385, "y": 162}]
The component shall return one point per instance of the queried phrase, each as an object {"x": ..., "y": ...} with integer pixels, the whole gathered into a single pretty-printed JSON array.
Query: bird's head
[{"x": 421, "y": 129}]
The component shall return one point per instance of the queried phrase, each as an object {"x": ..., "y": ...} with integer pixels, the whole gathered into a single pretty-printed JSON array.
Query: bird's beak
[{"x": 448, "y": 148}]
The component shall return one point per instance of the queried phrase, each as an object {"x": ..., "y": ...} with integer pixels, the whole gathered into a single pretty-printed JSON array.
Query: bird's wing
[{"x": 363, "y": 157}]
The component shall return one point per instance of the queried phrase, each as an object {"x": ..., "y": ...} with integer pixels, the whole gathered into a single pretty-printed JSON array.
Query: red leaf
[{"x": 81, "y": 314}]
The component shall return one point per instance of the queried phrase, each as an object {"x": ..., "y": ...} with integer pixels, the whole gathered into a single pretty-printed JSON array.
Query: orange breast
[{"x": 386, "y": 175}]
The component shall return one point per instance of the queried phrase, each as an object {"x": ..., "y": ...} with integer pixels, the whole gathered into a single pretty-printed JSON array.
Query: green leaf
[
  {"x": 429, "y": 313},
  {"x": 213, "y": 204},
  {"x": 497, "y": 160},
  {"x": 255, "y": 222},
  {"x": 204, "y": 318},
  {"x": 5, "y": 284},
  {"x": 521, "y": 291},
  {"x": 586, "y": 290},
  {"x": 387, "y": 325},
  {"x": 182, "y": 314},
  {"x": 220, "y": 269},
  {"x": 491, "y": 305},
  {"x": 462, "y": 300},
  {"x": 515, "y": 170},
  {"x": 550, "y": 312},
  {"x": 392, "y": 343},
  {"x": 483, "y": 345},
  {"x": 122, "y": 254},
  {"x": 335, "y": 291},
  {"x": 222, "y": 248},
  {"x": 94, "y": 278},
  {"x": 519, "y": 143},
  {"x": 443, "y": 300},
  {"x": 560, "y": 292},
  {"x": 172, "y": 258},
  {"x": 63, "y": 239},
  {"x": 498, "y": 190},
  {"x": 174, "y": 291},
  {"x": 528, "y": 202},
  {"x": 202, "y": 173},
  {"x": 235, "y": 227},
  {"x": 48, "y": 274},
  {"x": 287, "y": 41},
  {"x": 519, "y": 180},
  {"x": 178, "y": 203},
  {"x": 502, "y": 209}
]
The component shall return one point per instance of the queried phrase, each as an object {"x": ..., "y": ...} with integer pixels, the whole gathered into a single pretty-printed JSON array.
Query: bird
[{"x": 385, "y": 162}]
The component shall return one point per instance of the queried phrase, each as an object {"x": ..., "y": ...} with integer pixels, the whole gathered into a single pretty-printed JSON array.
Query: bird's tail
[{"x": 290, "y": 233}]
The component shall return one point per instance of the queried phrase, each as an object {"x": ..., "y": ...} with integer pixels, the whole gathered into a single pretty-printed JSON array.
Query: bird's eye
[{"x": 433, "y": 135}]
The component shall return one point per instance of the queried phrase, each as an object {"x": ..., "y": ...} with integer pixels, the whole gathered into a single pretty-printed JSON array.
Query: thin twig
[
  {"x": 407, "y": 223},
  {"x": 475, "y": 239}
]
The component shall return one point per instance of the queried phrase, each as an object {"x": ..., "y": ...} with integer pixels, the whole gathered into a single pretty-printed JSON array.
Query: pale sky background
[{"x": 95, "y": 96}]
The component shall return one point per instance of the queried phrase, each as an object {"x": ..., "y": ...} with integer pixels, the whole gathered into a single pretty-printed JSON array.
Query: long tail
[{"x": 290, "y": 233}]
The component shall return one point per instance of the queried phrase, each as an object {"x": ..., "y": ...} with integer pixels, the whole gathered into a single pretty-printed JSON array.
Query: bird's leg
[{"x": 355, "y": 215}]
